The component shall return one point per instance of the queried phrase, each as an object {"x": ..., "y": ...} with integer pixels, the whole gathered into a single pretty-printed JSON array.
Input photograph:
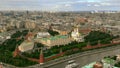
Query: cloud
[
  {"x": 68, "y": 5},
  {"x": 105, "y": 4},
  {"x": 60, "y": 5},
  {"x": 20, "y": 5},
  {"x": 96, "y": 5}
]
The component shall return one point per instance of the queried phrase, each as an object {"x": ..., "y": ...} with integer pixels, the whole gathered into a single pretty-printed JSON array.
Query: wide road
[
  {"x": 80, "y": 58},
  {"x": 84, "y": 57}
]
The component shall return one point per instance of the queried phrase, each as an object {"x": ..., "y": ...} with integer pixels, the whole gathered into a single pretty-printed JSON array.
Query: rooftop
[
  {"x": 56, "y": 37},
  {"x": 25, "y": 46},
  {"x": 106, "y": 61}
]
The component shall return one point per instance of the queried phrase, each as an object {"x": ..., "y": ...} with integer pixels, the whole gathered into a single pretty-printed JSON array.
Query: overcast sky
[{"x": 60, "y": 5}]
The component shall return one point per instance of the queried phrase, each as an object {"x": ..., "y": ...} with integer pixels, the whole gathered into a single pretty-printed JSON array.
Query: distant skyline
[{"x": 60, "y": 5}]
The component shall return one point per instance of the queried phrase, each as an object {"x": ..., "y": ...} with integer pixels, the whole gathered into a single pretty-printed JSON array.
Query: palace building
[
  {"x": 26, "y": 46},
  {"x": 55, "y": 40}
]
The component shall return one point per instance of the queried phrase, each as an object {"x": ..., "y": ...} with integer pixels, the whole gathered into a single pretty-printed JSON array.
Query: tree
[{"x": 97, "y": 35}]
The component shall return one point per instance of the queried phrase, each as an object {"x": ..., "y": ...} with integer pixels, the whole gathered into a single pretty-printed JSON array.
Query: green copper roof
[
  {"x": 44, "y": 39},
  {"x": 55, "y": 37}
]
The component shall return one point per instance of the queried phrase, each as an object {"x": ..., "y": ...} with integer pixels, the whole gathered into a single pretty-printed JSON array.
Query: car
[
  {"x": 71, "y": 61},
  {"x": 71, "y": 64}
]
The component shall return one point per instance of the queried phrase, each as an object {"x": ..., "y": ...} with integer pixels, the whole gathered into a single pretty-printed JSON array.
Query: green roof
[
  {"x": 109, "y": 60},
  {"x": 55, "y": 37},
  {"x": 91, "y": 65},
  {"x": 44, "y": 39}
]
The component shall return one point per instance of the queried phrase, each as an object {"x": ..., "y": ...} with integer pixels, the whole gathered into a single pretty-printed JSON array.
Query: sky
[{"x": 60, "y": 5}]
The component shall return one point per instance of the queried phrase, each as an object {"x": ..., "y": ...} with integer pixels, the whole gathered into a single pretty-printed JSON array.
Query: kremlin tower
[
  {"x": 41, "y": 59},
  {"x": 88, "y": 45},
  {"x": 16, "y": 52},
  {"x": 99, "y": 44}
]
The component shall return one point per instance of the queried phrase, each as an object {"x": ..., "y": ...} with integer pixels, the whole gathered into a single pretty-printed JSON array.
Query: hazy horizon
[{"x": 59, "y": 5}]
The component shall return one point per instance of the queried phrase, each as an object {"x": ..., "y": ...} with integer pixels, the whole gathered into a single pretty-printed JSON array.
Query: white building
[
  {"x": 77, "y": 36},
  {"x": 8, "y": 37},
  {"x": 118, "y": 57},
  {"x": 42, "y": 34}
]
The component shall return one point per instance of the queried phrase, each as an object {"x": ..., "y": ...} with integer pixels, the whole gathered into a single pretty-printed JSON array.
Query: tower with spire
[
  {"x": 41, "y": 58},
  {"x": 16, "y": 52},
  {"x": 99, "y": 44},
  {"x": 88, "y": 45}
]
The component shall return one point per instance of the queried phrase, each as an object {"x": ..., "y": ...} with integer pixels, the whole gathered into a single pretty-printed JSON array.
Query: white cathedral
[{"x": 77, "y": 36}]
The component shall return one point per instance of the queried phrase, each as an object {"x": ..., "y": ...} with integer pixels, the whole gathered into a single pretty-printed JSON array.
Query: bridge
[{"x": 82, "y": 58}]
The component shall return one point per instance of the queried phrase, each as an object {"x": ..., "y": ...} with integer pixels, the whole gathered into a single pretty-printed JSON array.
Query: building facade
[
  {"x": 56, "y": 40},
  {"x": 77, "y": 36}
]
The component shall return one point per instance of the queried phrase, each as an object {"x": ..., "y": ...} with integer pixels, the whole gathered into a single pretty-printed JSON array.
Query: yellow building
[
  {"x": 26, "y": 46},
  {"x": 62, "y": 32},
  {"x": 55, "y": 40},
  {"x": 30, "y": 25}
]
